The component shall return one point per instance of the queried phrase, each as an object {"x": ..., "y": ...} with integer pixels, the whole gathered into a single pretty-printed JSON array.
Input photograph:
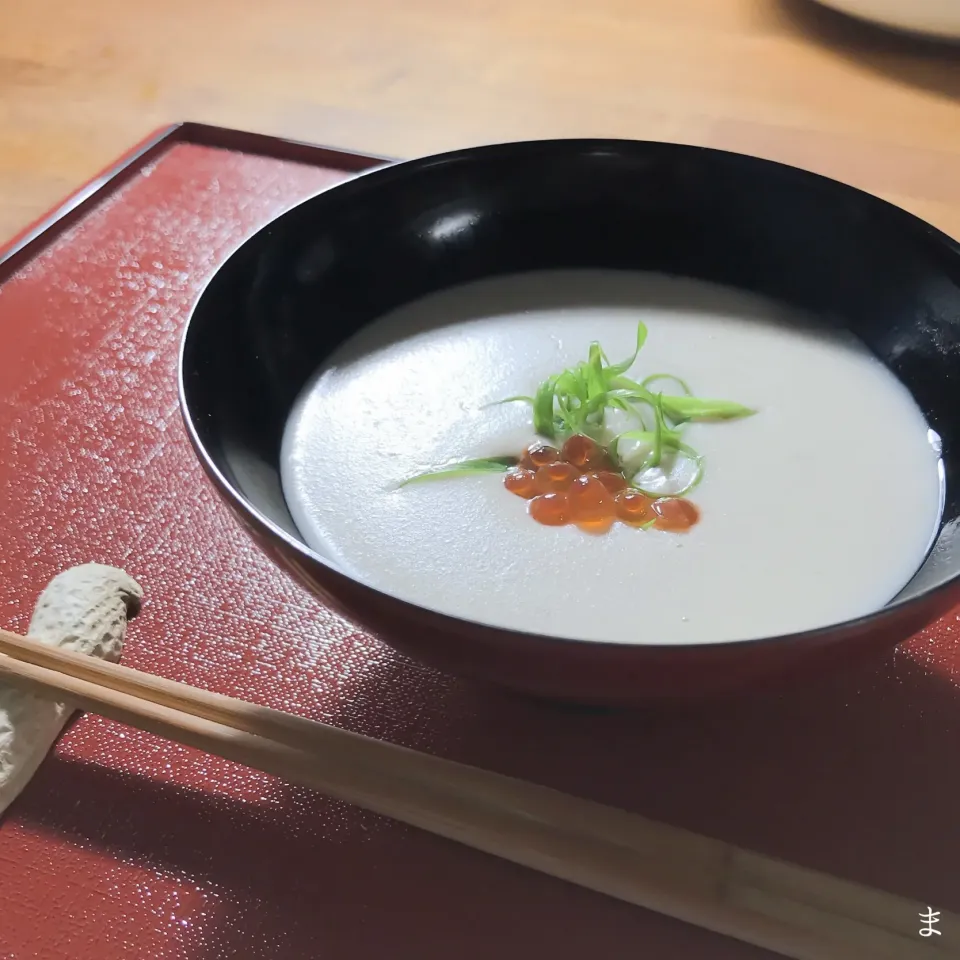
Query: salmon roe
[
  {"x": 612, "y": 480},
  {"x": 539, "y": 455},
  {"x": 585, "y": 453},
  {"x": 633, "y": 507},
  {"x": 675, "y": 514},
  {"x": 579, "y": 484},
  {"x": 596, "y": 526},
  {"x": 521, "y": 482},
  {"x": 590, "y": 499},
  {"x": 556, "y": 477},
  {"x": 551, "y": 509}
]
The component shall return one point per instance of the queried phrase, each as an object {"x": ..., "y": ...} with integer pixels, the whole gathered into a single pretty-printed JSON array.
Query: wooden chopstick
[{"x": 785, "y": 908}]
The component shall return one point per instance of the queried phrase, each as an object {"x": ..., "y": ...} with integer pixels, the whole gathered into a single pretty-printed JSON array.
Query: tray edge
[{"x": 29, "y": 241}]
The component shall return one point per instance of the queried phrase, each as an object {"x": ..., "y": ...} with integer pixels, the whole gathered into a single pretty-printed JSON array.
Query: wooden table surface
[{"x": 80, "y": 82}]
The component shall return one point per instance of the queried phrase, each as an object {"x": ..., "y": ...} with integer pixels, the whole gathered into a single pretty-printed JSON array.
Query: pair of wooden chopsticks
[{"x": 785, "y": 908}]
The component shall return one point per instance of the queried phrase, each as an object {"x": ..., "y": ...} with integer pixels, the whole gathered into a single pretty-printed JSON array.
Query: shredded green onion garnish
[
  {"x": 654, "y": 377},
  {"x": 465, "y": 468},
  {"x": 577, "y": 400}
]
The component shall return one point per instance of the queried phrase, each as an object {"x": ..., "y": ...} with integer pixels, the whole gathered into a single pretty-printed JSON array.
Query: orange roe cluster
[{"x": 580, "y": 484}]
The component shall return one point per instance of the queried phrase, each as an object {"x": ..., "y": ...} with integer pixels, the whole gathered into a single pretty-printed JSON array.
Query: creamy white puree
[{"x": 818, "y": 509}]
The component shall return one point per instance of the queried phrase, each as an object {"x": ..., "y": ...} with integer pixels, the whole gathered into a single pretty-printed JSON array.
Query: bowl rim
[{"x": 398, "y": 168}]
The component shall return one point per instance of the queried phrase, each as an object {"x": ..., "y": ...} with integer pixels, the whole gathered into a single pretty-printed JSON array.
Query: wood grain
[{"x": 79, "y": 83}]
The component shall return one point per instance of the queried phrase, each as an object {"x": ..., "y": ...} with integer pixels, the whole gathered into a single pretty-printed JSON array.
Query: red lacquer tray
[{"x": 128, "y": 846}]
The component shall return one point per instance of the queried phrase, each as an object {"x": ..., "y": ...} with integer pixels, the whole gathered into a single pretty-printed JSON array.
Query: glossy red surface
[{"x": 126, "y": 846}]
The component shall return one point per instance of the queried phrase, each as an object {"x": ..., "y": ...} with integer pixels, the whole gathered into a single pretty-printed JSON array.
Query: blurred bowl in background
[{"x": 935, "y": 18}]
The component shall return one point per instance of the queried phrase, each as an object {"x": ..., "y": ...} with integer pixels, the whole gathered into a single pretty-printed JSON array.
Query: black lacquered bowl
[{"x": 316, "y": 274}]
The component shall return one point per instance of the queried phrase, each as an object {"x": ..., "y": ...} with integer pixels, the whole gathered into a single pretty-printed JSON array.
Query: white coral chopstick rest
[{"x": 84, "y": 609}]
